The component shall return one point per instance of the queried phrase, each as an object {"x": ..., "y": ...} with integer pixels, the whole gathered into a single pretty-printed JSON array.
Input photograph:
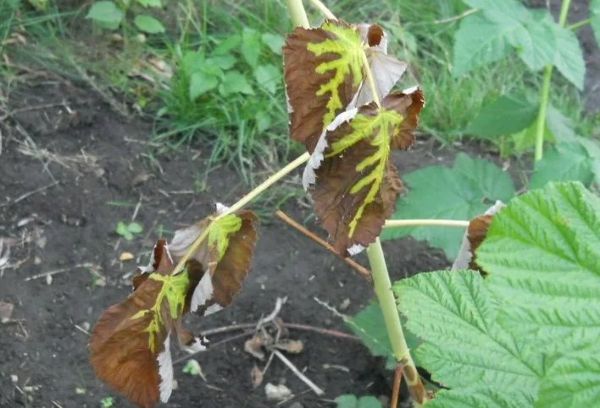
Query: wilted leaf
[
  {"x": 290, "y": 346},
  {"x": 468, "y": 188},
  {"x": 474, "y": 236},
  {"x": 130, "y": 344},
  {"x": 256, "y": 376},
  {"x": 226, "y": 254},
  {"x": 324, "y": 74},
  {"x": 6, "y": 310},
  {"x": 349, "y": 175}
]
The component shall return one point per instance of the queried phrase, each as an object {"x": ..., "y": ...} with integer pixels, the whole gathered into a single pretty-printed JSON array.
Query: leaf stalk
[
  {"x": 545, "y": 93},
  {"x": 387, "y": 302}
]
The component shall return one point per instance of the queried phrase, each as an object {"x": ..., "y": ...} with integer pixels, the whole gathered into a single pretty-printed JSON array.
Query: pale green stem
[
  {"x": 389, "y": 309},
  {"x": 323, "y": 9},
  {"x": 579, "y": 24},
  {"x": 297, "y": 13},
  {"x": 545, "y": 94},
  {"x": 239, "y": 205},
  {"x": 425, "y": 223}
]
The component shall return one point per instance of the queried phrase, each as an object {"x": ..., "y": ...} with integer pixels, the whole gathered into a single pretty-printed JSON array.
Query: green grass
[{"x": 247, "y": 126}]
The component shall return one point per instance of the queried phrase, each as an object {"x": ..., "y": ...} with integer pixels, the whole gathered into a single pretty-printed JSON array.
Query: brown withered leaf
[
  {"x": 130, "y": 343},
  {"x": 323, "y": 69},
  {"x": 349, "y": 175},
  {"x": 325, "y": 72},
  {"x": 226, "y": 254},
  {"x": 474, "y": 236}
]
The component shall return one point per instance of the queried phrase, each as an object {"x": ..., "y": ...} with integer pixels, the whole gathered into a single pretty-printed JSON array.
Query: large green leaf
[
  {"x": 563, "y": 162},
  {"x": 506, "y": 115},
  {"x": 468, "y": 189},
  {"x": 463, "y": 346},
  {"x": 536, "y": 43},
  {"x": 369, "y": 325},
  {"x": 569, "y": 56},
  {"x": 478, "y": 42},
  {"x": 542, "y": 253},
  {"x": 478, "y": 397},
  {"x": 573, "y": 380}
]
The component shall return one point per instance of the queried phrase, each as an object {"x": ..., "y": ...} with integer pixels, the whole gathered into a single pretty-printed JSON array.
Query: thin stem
[
  {"x": 545, "y": 93},
  {"x": 579, "y": 24},
  {"x": 425, "y": 223},
  {"x": 297, "y": 13},
  {"x": 268, "y": 183},
  {"x": 541, "y": 120},
  {"x": 323, "y": 9},
  {"x": 239, "y": 205},
  {"x": 370, "y": 79},
  {"x": 387, "y": 302}
]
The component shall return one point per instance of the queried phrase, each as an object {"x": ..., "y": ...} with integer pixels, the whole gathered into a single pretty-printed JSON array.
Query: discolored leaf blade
[
  {"x": 323, "y": 71},
  {"x": 226, "y": 253},
  {"x": 353, "y": 184},
  {"x": 130, "y": 343}
]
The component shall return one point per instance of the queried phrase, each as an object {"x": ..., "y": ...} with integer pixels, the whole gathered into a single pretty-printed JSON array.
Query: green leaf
[
  {"x": 569, "y": 56},
  {"x": 506, "y": 115},
  {"x": 274, "y": 42},
  {"x": 224, "y": 62},
  {"x": 563, "y": 162},
  {"x": 235, "y": 82},
  {"x": 595, "y": 16},
  {"x": 536, "y": 46},
  {"x": 573, "y": 380},
  {"x": 559, "y": 125},
  {"x": 150, "y": 3},
  {"x": 202, "y": 82},
  {"x": 123, "y": 231},
  {"x": 106, "y": 14},
  {"x": 193, "y": 61},
  {"x": 506, "y": 12},
  {"x": 263, "y": 121},
  {"x": 148, "y": 24},
  {"x": 478, "y": 42},
  {"x": 351, "y": 401},
  {"x": 135, "y": 228},
  {"x": 251, "y": 46},
  {"x": 542, "y": 254},
  {"x": 227, "y": 44},
  {"x": 192, "y": 367},
  {"x": 369, "y": 325},
  {"x": 478, "y": 397},
  {"x": 468, "y": 189},
  {"x": 268, "y": 76},
  {"x": 463, "y": 345}
]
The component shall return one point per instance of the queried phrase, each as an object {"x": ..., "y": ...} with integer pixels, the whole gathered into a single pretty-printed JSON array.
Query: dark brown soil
[{"x": 85, "y": 158}]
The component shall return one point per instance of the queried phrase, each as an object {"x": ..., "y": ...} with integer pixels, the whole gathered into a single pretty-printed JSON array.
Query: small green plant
[
  {"x": 110, "y": 15},
  {"x": 128, "y": 230},
  {"x": 107, "y": 402},
  {"x": 352, "y": 401}
]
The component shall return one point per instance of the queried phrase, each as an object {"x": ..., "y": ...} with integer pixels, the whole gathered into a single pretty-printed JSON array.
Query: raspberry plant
[{"x": 515, "y": 322}]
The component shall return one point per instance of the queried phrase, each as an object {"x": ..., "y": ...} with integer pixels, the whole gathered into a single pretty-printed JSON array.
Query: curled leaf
[
  {"x": 325, "y": 70},
  {"x": 474, "y": 236},
  {"x": 349, "y": 175},
  {"x": 130, "y": 344},
  {"x": 226, "y": 255}
]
